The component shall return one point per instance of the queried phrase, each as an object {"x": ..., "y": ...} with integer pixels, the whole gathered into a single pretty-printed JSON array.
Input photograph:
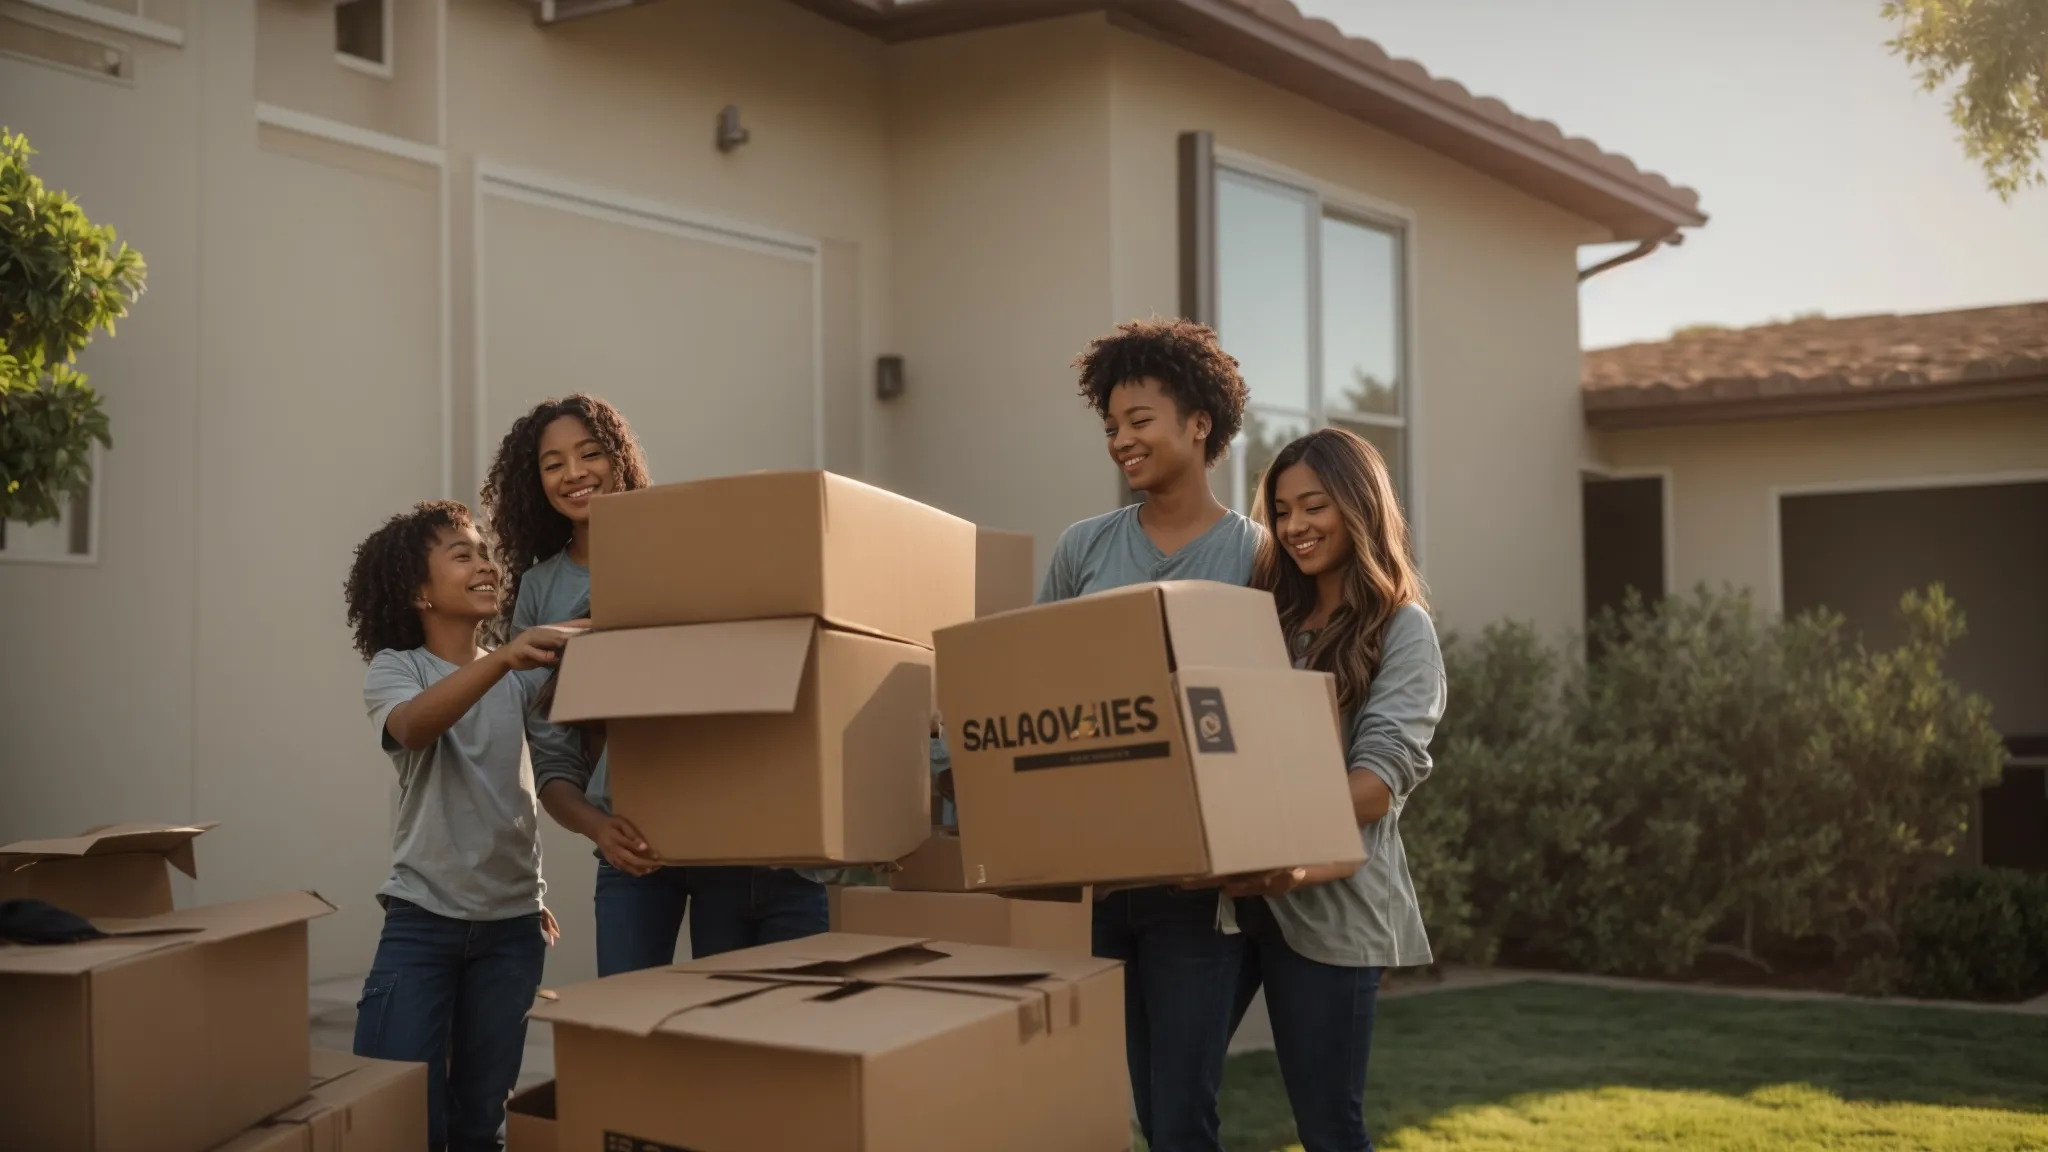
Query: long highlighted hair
[{"x": 1381, "y": 577}]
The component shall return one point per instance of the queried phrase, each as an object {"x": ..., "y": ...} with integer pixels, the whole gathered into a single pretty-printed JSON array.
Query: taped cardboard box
[
  {"x": 966, "y": 918},
  {"x": 760, "y": 741},
  {"x": 530, "y": 1120},
  {"x": 356, "y": 1104},
  {"x": 843, "y": 1043},
  {"x": 1146, "y": 734},
  {"x": 175, "y": 1033},
  {"x": 120, "y": 870},
  {"x": 789, "y": 544}
]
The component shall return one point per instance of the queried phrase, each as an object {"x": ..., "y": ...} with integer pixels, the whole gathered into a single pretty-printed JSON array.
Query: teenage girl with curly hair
[
  {"x": 552, "y": 463},
  {"x": 460, "y": 956}
]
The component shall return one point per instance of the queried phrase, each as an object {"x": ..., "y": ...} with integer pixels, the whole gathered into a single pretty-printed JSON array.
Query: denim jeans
[
  {"x": 453, "y": 995},
  {"x": 1179, "y": 976},
  {"x": 639, "y": 918},
  {"x": 742, "y": 907},
  {"x": 1322, "y": 1031}
]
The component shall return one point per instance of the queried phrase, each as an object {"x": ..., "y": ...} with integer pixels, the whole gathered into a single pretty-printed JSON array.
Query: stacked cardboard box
[
  {"x": 355, "y": 1105},
  {"x": 762, "y": 664},
  {"x": 175, "y": 1031}
]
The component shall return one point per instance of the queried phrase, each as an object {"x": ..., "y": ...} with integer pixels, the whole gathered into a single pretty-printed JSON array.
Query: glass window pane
[
  {"x": 1361, "y": 318},
  {"x": 1393, "y": 445},
  {"x": 1265, "y": 434},
  {"x": 1262, "y": 288}
]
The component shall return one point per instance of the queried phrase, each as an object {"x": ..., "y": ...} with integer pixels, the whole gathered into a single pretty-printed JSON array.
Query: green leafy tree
[
  {"x": 62, "y": 279},
  {"x": 1996, "y": 54}
]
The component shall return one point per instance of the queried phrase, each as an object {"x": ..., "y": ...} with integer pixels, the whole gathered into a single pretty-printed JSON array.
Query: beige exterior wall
[
  {"x": 1724, "y": 478},
  {"x": 1496, "y": 437}
]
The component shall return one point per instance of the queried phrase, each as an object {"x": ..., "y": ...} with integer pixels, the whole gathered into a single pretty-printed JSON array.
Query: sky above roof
[{"x": 1834, "y": 184}]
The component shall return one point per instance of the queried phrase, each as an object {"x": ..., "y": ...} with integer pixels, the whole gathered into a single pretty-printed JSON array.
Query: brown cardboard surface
[
  {"x": 178, "y": 1034},
  {"x": 966, "y": 917},
  {"x": 1149, "y": 733},
  {"x": 761, "y": 742},
  {"x": 356, "y": 1104},
  {"x": 795, "y": 544},
  {"x": 117, "y": 870},
  {"x": 937, "y": 866},
  {"x": 860, "y": 1042},
  {"x": 1003, "y": 571},
  {"x": 530, "y": 1120}
]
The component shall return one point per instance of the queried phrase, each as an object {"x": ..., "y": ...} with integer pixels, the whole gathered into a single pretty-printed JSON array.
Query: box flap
[
  {"x": 1222, "y": 626},
  {"x": 637, "y": 1003},
  {"x": 171, "y": 841},
  {"x": 749, "y": 666},
  {"x": 832, "y": 948},
  {"x": 131, "y": 938}
]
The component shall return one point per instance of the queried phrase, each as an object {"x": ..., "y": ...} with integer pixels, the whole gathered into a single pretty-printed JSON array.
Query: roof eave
[{"x": 1637, "y": 408}]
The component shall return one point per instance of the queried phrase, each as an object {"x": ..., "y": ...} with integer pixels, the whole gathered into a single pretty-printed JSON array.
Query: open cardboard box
[
  {"x": 1148, "y": 734},
  {"x": 120, "y": 870},
  {"x": 530, "y": 1120},
  {"x": 844, "y": 1043},
  {"x": 356, "y": 1105},
  {"x": 967, "y": 918},
  {"x": 175, "y": 1032}
]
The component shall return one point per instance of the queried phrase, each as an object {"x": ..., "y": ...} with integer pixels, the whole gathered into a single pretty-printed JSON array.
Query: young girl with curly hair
[
  {"x": 551, "y": 464},
  {"x": 460, "y": 957},
  {"x": 1337, "y": 562}
]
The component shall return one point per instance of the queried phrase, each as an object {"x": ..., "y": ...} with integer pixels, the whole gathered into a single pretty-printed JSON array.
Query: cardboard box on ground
[
  {"x": 173, "y": 1033},
  {"x": 762, "y": 664},
  {"x": 1147, "y": 734},
  {"x": 356, "y": 1104},
  {"x": 530, "y": 1120},
  {"x": 845, "y": 1043},
  {"x": 967, "y": 918}
]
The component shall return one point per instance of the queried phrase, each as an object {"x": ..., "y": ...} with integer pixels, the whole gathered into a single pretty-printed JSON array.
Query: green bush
[
  {"x": 1980, "y": 934},
  {"x": 1711, "y": 780}
]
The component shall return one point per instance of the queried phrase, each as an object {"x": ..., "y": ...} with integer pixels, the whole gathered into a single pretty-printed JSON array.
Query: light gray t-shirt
[
  {"x": 554, "y": 590},
  {"x": 467, "y": 842},
  {"x": 1370, "y": 919},
  {"x": 1112, "y": 551}
]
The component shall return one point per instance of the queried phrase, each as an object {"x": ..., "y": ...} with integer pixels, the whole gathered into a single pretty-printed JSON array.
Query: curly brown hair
[
  {"x": 1186, "y": 359},
  {"x": 526, "y": 528},
  {"x": 385, "y": 579}
]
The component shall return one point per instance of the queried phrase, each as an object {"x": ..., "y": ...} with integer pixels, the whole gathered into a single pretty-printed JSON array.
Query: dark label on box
[
  {"x": 1212, "y": 720},
  {"x": 620, "y": 1142},
  {"x": 1114, "y": 754}
]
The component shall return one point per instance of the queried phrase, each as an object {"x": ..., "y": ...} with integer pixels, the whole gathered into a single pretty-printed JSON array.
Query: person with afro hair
[
  {"x": 1170, "y": 400},
  {"x": 465, "y": 933}
]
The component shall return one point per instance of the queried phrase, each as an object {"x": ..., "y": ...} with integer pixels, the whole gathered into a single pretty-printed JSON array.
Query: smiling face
[
  {"x": 1307, "y": 522},
  {"x": 573, "y": 467},
  {"x": 462, "y": 579},
  {"x": 1150, "y": 440}
]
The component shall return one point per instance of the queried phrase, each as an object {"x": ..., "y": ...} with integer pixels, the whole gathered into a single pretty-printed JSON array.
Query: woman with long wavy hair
[{"x": 1338, "y": 563}]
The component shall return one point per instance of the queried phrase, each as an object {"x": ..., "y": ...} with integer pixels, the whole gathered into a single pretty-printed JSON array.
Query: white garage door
[{"x": 706, "y": 340}]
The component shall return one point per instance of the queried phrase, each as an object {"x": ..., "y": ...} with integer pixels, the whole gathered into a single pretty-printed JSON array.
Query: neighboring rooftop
[
  {"x": 1273, "y": 41},
  {"x": 1808, "y": 366}
]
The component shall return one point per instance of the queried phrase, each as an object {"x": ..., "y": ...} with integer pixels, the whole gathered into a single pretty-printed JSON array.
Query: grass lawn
[{"x": 1536, "y": 1067}]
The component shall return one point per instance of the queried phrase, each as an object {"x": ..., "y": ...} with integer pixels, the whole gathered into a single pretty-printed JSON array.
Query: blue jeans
[
  {"x": 743, "y": 907},
  {"x": 453, "y": 995},
  {"x": 639, "y": 917},
  {"x": 1180, "y": 975},
  {"x": 1322, "y": 1031}
]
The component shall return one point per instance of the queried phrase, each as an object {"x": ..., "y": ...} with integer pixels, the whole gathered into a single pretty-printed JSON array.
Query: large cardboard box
[
  {"x": 356, "y": 1105},
  {"x": 176, "y": 1033},
  {"x": 966, "y": 918},
  {"x": 760, "y": 741},
  {"x": 1003, "y": 571},
  {"x": 120, "y": 870},
  {"x": 1146, "y": 734},
  {"x": 770, "y": 544},
  {"x": 842, "y": 1043},
  {"x": 939, "y": 866},
  {"x": 530, "y": 1120}
]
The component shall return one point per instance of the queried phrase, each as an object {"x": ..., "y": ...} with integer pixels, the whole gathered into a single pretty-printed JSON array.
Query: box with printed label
[
  {"x": 845, "y": 1043},
  {"x": 770, "y": 544},
  {"x": 119, "y": 870},
  {"x": 356, "y": 1104},
  {"x": 760, "y": 741},
  {"x": 171, "y": 1033},
  {"x": 1146, "y": 734},
  {"x": 967, "y": 917}
]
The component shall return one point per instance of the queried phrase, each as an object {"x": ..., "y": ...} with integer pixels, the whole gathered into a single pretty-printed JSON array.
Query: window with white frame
[
  {"x": 362, "y": 35},
  {"x": 1309, "y": 296}
]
